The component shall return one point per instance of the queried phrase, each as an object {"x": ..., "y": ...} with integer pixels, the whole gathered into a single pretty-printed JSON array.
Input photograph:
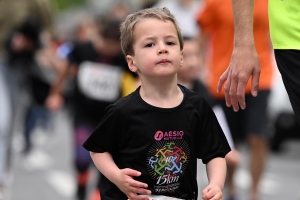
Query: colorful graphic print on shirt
[{"x": 167, "y": 160}]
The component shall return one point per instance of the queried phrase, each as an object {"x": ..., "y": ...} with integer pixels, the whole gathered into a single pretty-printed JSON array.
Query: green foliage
[{"x": 64, "y": 4}]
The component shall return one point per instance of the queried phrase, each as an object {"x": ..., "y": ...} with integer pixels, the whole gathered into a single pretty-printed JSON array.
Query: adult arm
[
  {"x": 244, "y": 61},
  {"x": 216, "y": 173},
  {"x": 55, "y": 98},
  {"x": 122, "y": 178}
]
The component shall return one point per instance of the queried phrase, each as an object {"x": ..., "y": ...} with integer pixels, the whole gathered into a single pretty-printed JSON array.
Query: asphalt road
[{"x": 48, "y": 174}]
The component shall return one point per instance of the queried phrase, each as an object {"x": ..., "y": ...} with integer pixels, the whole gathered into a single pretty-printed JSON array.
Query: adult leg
[
  {"x": 30, "y": 123},
  {"x": 235, "y": 122},
  {"x": 288, "y": 63},
  {"x": 256, "y": 130},
  {"x": 34, "y": 114},
  {"x": 251, "y": 122},
  {"x": 258, "y": 154}
]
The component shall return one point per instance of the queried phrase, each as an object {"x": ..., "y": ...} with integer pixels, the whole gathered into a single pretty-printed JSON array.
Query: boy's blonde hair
[{"x": 127, "y": 27}]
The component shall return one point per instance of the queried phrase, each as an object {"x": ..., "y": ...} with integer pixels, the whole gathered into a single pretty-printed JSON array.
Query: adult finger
[
  {"x": 222, "y": 80},
  {"x": 233, "y": 91},
  {"x": 255, "y": 82},
  {"x": 241, "y": 88},
  {"x": 227, "y": 88}
]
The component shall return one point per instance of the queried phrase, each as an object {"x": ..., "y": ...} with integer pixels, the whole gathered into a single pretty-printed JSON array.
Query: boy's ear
[{"x": 131, "y": 63}]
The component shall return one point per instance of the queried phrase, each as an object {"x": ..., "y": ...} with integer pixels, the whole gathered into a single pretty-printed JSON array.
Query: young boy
[{"x": 147, "y": 144}]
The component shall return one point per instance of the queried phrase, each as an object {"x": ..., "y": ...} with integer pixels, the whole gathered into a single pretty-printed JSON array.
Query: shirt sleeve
[
  {"x": 106, "y": 137},
  {"x": 213, "y": 142}
]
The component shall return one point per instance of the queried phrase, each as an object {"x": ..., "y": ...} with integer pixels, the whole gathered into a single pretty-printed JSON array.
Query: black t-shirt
[
  {"x": 162, "y": 143},
  {"x": 98, "y": 81}
]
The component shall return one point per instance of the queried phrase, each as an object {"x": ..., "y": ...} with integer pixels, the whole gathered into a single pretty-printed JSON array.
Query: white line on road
[
  {"x": 62, "y": 182},
  {"x": 269, "y": 183}
]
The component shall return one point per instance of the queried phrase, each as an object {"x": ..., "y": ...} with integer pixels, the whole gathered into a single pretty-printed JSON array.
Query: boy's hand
[
  {"x": 212, "y": 192},
  {"x": 131, "y": 187}
]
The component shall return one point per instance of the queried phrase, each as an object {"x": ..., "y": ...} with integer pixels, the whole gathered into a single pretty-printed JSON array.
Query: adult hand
[
  {"x": 131, "y": 187},
  {"x": 54, "y": 102},
  {"x": 243, "y": 64}
]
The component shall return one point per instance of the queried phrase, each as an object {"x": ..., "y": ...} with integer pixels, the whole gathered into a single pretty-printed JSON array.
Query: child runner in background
[
  {"x": 148, "y": 142},
  {"x": 101, "y": 77}
]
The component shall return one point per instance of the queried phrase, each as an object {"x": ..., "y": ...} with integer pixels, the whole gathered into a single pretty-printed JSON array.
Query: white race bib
[{"x": 99, "y": 81}]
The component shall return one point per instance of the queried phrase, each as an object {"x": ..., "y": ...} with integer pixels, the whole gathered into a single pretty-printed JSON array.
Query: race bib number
[{"x": 99, "y": 81}]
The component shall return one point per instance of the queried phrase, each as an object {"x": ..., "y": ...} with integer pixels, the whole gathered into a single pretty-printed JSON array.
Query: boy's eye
[
  {"x": 170, "y": 43},
  {"x": 149, "y": 45}
]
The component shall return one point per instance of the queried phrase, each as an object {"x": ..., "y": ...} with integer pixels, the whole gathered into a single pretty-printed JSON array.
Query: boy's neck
[{"x": 161, "y": 95}]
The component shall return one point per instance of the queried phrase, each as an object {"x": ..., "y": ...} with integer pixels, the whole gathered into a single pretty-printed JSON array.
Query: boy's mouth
[{"x": 164, "y": 61}]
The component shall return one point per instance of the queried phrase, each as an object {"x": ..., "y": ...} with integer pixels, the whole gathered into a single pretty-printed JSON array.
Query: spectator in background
[
  {"x": 28, "y": 75},
  {"x": 31, "y": 77},
  {"x": 101, "y": 77},
  {"x": 19, "y": 47},
  {"x": 216, "y": 22}
]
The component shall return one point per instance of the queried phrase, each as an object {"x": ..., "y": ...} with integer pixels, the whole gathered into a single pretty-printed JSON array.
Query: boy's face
[
  {"x": 156, "y": 49},
  {"x": 192, "y": 61}
]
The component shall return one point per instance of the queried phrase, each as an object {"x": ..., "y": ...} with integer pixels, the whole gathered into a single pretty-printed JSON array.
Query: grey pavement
[{"x": 48, "y": 172}]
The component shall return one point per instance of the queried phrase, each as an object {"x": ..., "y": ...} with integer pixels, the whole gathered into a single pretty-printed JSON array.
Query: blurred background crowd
[{"x": 49, "y": 52}]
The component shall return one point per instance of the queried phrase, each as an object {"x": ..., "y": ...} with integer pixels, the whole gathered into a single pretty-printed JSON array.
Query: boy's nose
[{"x": 162, "y": 49}]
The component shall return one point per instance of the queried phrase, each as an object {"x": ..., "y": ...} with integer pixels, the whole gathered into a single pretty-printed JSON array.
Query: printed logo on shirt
[
  {"x": 99, "y": 81},
  {"x": 167, "y": 160},
  {"x": 168, "y": 135}
]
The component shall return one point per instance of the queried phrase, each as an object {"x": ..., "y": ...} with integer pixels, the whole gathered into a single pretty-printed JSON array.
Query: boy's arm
[
  {"x": 216, "y": 173},
  {"x": 122, "y": 178},
  {"x": 244, "y": 61}
]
